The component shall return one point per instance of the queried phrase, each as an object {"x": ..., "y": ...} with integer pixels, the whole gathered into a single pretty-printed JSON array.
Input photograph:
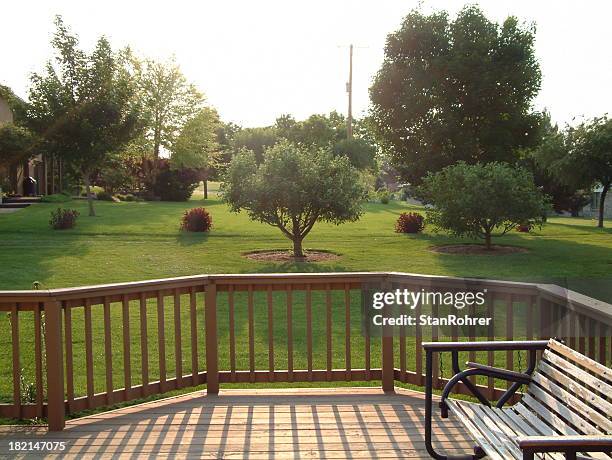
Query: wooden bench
[{"x": 565, "y": 412}]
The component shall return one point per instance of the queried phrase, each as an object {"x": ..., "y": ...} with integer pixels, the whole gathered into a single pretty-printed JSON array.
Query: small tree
[
  {"x": 482, "y": 201},
  {"x": 293, "y": 189}
]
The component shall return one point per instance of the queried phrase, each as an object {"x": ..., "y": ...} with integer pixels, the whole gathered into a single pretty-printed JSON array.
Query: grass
[{"x": 141, "y": 240}]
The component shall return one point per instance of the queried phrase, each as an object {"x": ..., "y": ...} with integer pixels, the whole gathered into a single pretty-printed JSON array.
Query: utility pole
[{"x": 349, "y": 90}]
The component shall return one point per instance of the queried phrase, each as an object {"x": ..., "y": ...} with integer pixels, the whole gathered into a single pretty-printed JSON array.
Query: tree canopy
[
  {"x": 455, "y": 90},
  {"x": 482, "y": 200},
  {"x": 294, "y": 188}
]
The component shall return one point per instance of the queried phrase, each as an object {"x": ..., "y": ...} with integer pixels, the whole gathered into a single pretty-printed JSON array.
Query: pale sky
[{"x": 256, "y": 60}]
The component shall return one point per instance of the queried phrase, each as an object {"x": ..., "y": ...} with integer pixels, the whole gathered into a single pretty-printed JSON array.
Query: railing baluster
[
  {"x": 251, "y": 335},
  {"x": 290, "y": 332},
  {"x": 144, "y": 344},
  {"x": 602, "y": 344},
  {"x": 194, "y": 336},
  {"x": 178, "y": 339},
  {"x": 127, "y": 357},
  {"x": 89, "y": 354},
  {"x": 472, "y": 334},
  {"x": 582, "y": 337},
  {"x": 270, "y": 333},
  {"x": 435, "y": 338},
  {"x": 232, "y": 333},
  {"x": 108, "y": 352},
  {"x": 591, "y": 329},
  {"x": 347, "y": 338},
  {"x": 509, "y": 333},
  {"x": 212, "y": 352},
  {"x": 418, "y": 341},
  {"x": 491, "y": 336},
  {"x": 328, "y": 331},
  {"x": 40, "y": 395},
  {"x": 402, "y": 348},
  {"x": 56, "y": 408},
  {"x": 309, "y": 330},
  {"x": 69, "y": 357},
  {"x": 16, "y": 363},
  {"x": 161, "y": 341}
]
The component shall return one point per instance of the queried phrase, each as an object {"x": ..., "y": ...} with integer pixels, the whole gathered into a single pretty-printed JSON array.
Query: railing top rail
[{"x": 577, "y": 301}]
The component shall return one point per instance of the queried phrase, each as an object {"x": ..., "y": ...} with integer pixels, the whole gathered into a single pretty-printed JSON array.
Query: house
[
  {"x": 592, "y": 209},
  {"x": 14, "y": 177}
]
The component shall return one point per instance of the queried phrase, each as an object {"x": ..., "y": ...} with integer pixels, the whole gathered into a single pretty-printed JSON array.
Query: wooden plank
[
  {"x": 144, "y": 343},
  {"x": 418, "y": 343},
  {"x": 232, "y": 332},
  {"x": 602, "y": 344},
  {"x": 251, "y": 334},
  {"x": 347, "y": 330},
  {"x": 178, "y": 339},
  {"x": 194, "y": 335},
  {"x": 582, "y": 410},
  {"x": 16, "y": 360},
  {"x": 69, "y": 357},
  {"x": 328, "y": 329},
  {"x": 38, "y": 361},
  {"x": 509, "y": 334},
  {"x": 491, "y": 336},
  {"x": 127, "y": 356},
  {"x": 504, "y": 432},
  {"x": 161, "y": 341},
  {"x": 547, "y": 416},
  {"x": 580, "y": 375},
  {"x": 582, "y": 392},
  {"x": 270, "y": 333},
  {"x": 436, "y": 358},
  {"x": 56, "y": 408},
  {"x": 212, "y": 342},
  {"x": 108, "y": 353},
  {"x": 527, "y": 415},
  {"x": 290, "y": 333},
  {"x": 588, "y": 363},
  {"x": 89, "y": 354}
]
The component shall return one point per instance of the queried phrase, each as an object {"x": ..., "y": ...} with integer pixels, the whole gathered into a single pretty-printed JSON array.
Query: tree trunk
[
  {"x": 602, "y": 201},
  {"x": 297, "y": 247},
  {"x": 488, "y": 241},
  {"x": 205, "y": 189},
  {"x": 92, "y": 211}
]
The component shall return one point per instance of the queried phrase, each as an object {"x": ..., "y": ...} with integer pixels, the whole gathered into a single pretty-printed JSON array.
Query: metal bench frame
[{"x": 529, "y": 445}]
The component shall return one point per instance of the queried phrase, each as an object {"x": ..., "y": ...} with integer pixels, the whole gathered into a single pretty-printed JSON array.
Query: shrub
[
  {"x": 384, "y": 196},
  {"x": 175, "y": 184},
  {"x": 196, "y": 220},
  {"x": 104, "y": 196},
  {"x": 409, "y": 222},
  {"x": 63, "y": 219},
  {"x": 56, "y": 198},
  {"x": 523, "y": 228}
]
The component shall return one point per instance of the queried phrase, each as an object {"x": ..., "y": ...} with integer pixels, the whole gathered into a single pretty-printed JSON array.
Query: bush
[
  {"x": 384, "y": 196},
  {"x": 409, "y": 222},
  {"x": 104, "y": 196},
  {"x": 63, "y": 219},
  {"x": 56, "y": 198},
  {"x": 196, "y": 220},
  {"x": 175, "y": 184}
]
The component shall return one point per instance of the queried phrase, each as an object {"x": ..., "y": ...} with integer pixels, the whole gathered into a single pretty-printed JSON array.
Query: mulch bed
[
  {"x": 282, "y": 255},
  {"x": 478, "y": 249}
]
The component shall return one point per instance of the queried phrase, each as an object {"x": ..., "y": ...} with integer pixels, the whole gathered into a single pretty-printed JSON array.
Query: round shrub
[
  {"x": 409, "y": 222},
  {"x": 196, "y": 220},
  {"x": 104, "y": 196},
  {"x": 63, "y": 219},
  {"x": 384, "y": 196}
]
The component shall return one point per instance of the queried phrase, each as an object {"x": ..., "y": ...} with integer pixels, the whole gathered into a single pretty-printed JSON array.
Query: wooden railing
[{"x": 88, "y": 347}]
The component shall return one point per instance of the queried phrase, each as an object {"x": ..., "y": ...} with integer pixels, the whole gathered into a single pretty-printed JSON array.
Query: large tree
[
  {"x": 197, "y": 145},
  {"x": 83, "y": 104},
  {"x": 293, "y": 189},
  {"x": 452, "y": 91},
  {"x": 584, "y": 159}
]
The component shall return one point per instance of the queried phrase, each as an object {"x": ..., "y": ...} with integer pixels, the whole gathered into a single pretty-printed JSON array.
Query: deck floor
[{"x": 357, "y": 423}]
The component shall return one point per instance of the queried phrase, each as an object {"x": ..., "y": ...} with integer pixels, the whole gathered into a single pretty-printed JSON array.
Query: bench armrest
[
  {"x": 500, "y": 373},
  {"x": 491, "y": 345},
  {"x": 579, "y": 443}
]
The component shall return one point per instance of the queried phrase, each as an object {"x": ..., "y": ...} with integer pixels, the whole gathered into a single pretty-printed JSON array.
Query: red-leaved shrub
[
  {"x": 409, "y": 222},
  {"x": 63, "y": 219},
  {"x": 523, "y": 228},
  {"x": 196, "y": 220}
]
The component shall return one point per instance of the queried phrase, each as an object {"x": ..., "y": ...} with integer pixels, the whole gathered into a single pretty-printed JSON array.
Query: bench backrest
[{"x": 571, "y": 392}]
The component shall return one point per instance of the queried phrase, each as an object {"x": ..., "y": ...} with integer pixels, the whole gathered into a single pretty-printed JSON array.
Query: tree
[
  {"x": 196, "y": 146},
  {"x": 256, "y": 140},
  {"x": 167, "y": 99},
  {"x": 83, "y": 105},
  {"x": 586, "y": 161},
  {"x": 293, "y": 189},
  {"x": 359, "y": 152},
  {"x": 451, "y": 91},
  {"x": 318, "y": 130},
  {"x": 478, "y": 200}
]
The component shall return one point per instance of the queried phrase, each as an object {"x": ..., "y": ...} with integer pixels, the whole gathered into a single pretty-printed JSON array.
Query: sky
[{"x": 256, "y": 60}]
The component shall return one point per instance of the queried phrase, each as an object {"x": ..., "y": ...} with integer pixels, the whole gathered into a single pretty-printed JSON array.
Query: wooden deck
[{"x": 355, "y": 423}]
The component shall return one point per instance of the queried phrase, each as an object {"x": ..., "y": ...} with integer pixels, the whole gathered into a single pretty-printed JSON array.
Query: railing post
[
  {"x": 55, "y": 366},
  {"x": 212, "y": 353},
  {"x": 388, "y": 366}
]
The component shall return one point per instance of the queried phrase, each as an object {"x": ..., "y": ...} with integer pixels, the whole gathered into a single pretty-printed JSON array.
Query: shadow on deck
[{"x": 305, "y": 423}]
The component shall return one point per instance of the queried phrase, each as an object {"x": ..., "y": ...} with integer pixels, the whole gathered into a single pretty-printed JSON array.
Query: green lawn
[{"x": 135, "y": 241}]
